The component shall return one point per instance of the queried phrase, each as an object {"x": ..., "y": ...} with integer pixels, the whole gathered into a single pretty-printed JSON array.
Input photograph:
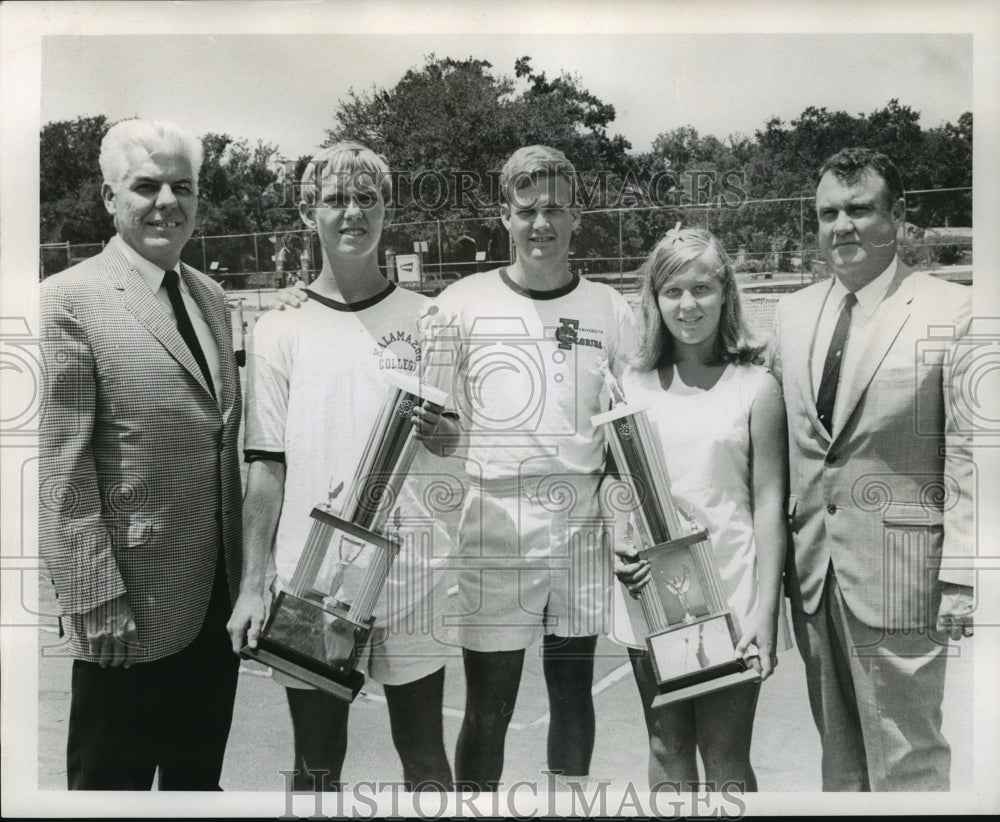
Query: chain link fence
[
  {"x": 766, "y": 238},
  {"x": 54, "y": 257},
  {"x": 249, "y": 261}
]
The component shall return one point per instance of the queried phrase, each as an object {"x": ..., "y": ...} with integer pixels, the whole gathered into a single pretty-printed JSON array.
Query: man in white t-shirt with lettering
[{"x": 519, "y": 351}]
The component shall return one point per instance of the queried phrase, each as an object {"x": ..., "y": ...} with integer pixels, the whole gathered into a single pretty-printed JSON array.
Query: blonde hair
[
  {"x": 680, "y": 246},
  {"x": 350, "y": 162}
]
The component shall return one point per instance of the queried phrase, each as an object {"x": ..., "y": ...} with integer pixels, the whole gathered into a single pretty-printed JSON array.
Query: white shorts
[
  {"x": 407, "y": 649},
  {"x": 533, "y": 558}
]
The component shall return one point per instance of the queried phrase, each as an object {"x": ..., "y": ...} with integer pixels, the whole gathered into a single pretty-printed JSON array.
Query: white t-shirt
[
  {"x": 315, "y": 388},
  {"x": 522, "y": 368}
]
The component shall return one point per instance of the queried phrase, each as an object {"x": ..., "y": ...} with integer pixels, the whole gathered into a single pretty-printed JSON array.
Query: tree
[
  {"x": 945, "y": 162},
  {"x": 232, "y": 184},
  {"x": 239, "y": 196},
  {"x": 895, "y": 131},
  {"x": 449, "y": 116},
  {"x": 562, "y": 114},
  {"x": 70, "y": 182},
  {"x": 786, "y": 158},
  {"x": 454, "y": 115},
  {"x": 453, "y": 123}
]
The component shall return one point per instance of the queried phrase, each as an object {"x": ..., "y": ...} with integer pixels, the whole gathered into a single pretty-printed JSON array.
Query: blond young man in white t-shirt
[{"x": 314, "y": 387}]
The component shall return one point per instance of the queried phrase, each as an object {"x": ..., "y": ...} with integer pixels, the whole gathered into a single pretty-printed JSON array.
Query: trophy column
[
  {"x": 318, "y": 629},
  {"x": 690, "y": 636}
]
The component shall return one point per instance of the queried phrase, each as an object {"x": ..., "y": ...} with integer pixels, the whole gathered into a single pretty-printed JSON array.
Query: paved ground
[{"x": 785, "y": 748}]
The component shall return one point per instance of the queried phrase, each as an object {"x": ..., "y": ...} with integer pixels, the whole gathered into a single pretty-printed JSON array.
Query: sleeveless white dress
[{"x": 705, "y": 436}]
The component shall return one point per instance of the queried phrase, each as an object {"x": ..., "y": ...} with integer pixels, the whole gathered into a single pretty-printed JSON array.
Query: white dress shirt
[
  {"x": 863, "y": 322},
  {"x": 152, "y": 275}
]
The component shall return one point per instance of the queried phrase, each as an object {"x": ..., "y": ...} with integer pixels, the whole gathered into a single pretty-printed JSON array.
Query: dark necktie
[
  {"x": 827, "y": 396},
  {"x": 172, "y": 283}
]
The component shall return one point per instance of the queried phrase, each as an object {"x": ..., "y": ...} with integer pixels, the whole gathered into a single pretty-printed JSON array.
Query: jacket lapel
[
  {"x": 799, "y": 368},
  {"x": 893, "y": 313},
  {"x": 214, "y": 310},
  {"x": 148, "y": 310}
]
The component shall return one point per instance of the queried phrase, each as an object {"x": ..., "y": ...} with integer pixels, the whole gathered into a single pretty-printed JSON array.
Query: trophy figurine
[
  {"x": 679, "y": 587},
  {"x": 689, "y": 632},
  {"x": 319, "y": 626}
]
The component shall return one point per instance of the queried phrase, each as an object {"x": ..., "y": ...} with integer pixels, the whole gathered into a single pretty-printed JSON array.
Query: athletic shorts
[
  {"x": 532, "y": 559},
  {"x": 407, "y": 649}
]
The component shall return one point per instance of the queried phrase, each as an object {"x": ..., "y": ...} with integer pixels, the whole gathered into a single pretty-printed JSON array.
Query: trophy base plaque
[
  {"x": 696, "y": 659},
  {"x": 707, "y": 687},
  {"x": 693, "y": 646},
  {"x": 314, "y": 643}
]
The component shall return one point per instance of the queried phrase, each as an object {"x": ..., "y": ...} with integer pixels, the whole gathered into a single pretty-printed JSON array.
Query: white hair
[{"x": 127, "y": 135}]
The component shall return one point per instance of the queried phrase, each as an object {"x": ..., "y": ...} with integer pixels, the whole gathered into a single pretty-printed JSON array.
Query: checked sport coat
[{"x": 139, "y": 479}]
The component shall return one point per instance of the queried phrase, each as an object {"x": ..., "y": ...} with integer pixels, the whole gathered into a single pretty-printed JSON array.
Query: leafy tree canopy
[
  {"x": 456, "y": 115},
  {"x": 453, "y": 117},
  {"x": 70, "y": 182}
]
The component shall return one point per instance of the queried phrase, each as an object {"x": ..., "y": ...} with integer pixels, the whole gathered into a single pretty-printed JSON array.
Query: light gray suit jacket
[
  {"x": 892, "y": 490},
  {"x": 139, "y": 471}
]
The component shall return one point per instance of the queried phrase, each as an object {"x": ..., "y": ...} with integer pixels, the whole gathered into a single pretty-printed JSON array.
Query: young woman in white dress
[{"x": 720, "y": 420}]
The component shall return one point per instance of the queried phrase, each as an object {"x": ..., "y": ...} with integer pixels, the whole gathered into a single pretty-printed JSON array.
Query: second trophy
[{"x": 689, "y": 632}]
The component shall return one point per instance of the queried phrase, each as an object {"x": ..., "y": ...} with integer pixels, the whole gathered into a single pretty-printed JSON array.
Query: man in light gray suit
[
  {"x": 882, "y": 486},
  {"x": 139, "y": 479}
]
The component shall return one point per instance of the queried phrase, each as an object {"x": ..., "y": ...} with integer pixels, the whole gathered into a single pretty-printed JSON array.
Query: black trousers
[{"x": 173, "y": 714}]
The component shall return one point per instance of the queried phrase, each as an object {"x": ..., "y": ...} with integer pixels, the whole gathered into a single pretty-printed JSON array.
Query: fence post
[
  {"x": 440, "y": 250},
  {"x": 204, "y": 258},
  {"x": 621, "y": 248},
  {"x": 905, "y": 207},
  {"x": 802, "y": 240}
]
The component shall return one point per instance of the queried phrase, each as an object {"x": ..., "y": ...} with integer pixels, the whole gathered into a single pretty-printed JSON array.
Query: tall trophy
[
  {"x": 319, "y": 626},
  {"x": 689, "y": 632}
]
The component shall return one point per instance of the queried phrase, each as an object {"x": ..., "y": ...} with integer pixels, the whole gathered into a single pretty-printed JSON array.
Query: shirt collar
[
  {"x": 871, "y": 295},
  {"x": 151, "y": 273}
]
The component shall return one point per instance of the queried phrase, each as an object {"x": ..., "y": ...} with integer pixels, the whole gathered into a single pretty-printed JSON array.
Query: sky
[{"x": 284, "y": 88}]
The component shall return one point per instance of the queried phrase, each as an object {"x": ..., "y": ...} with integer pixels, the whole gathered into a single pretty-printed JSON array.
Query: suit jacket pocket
[
  {"x": 912, "y": 515},
  {"x": 134, "y": 532}
]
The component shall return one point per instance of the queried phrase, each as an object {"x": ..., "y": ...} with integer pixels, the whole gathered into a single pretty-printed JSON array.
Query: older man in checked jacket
[{"x": 139, "y": 480}]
